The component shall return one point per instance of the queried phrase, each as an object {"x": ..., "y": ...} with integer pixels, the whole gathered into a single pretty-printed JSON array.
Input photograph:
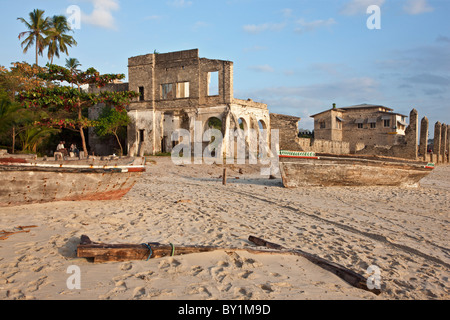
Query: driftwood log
[
  {"x": 101, "y": 253},
  {"x": 342, "y": 272},
  {"x": 21, "y": 229}
]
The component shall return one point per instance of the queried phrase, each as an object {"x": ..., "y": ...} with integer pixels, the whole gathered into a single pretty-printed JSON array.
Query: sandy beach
[{"x": 402, "y": 231}]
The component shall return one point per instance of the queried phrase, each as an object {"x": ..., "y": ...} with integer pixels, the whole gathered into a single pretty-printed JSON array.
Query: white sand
[{"x": 402, "y": 231}]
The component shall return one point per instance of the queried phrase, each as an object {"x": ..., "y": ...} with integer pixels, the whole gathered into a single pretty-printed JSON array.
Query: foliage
[
  {"x": 74, "y": 100},
  {"x": 57, "y": 40},
  {"x": 112, "y": 122},
  {"x": 45, "y": 32},
  {"x": 37, "y": 27},
  {"x": 18, "y": 122},
  {"x": 8, "y": 110},
  {"x": 21, "y": 77},
  {"x": 33, "y": 136}
]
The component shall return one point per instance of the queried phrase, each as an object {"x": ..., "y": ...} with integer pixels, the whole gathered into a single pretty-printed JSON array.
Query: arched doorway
[
  {"x": 263, "y": 140},
  {"x": 213, "y": 134}
]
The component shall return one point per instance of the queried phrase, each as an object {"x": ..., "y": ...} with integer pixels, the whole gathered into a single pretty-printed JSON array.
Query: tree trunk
[
  {"x": 83, "y": 139},
  {"x": 13, "y": 139},
  {"x": 36, "y": 52},
  {"x": 120, "y": 145}
]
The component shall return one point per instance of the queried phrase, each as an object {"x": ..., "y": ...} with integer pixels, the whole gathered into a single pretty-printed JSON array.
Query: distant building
[{"x": 364, "y": 124}]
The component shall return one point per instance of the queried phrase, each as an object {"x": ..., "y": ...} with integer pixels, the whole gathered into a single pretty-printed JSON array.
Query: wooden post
[{"x": 224, "y": 177}]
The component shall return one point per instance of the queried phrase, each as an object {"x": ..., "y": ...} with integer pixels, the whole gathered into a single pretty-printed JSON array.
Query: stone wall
[
  {"x": 287, "y": 127},
  {"x": 289, "y": 140},
  {"x": 414, "y": 146},
  {"x": 177, "y": 94}
]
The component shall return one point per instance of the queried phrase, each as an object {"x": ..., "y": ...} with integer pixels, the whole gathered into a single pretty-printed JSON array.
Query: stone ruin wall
[
  {"x": 289, "y": 140},
  {"x": 412, "y": 146}
]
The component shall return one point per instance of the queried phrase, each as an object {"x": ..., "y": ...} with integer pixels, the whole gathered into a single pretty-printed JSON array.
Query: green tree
[
  {"x": 57, "y": 38},
  {"x": 37, "y": 27},
  {"x": 21, "y": 76},
  {"x": 74, "y": 100},
  {"x": 18, "y": 122},
  {"x": 112, "y": 122},
  {"x": 8, "y": 112},
  {"x": 72, "y": 64}
]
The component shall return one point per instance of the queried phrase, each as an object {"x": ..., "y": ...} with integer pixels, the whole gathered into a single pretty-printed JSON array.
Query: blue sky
[{"x": 298, "y": 56}]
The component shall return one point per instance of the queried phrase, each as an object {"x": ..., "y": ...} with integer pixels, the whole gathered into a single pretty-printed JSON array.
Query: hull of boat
[
  {"x": 303, "y": 170},
  {"x": 27, "y": 183}
]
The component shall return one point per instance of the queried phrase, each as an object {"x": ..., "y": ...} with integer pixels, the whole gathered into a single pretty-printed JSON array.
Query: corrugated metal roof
[{"x": 366, "y": 106}]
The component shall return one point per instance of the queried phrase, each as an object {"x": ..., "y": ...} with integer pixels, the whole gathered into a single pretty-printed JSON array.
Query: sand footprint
[{"x": 139, "y": 293}]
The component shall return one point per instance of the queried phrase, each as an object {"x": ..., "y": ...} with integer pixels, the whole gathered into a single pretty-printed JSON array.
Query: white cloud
[
  {"x": 180, "y": 3},
  {"x": 358, "y": 88},
  {"x": 102, "y": 14},
  {"x": 355, "y": 7},
  {"x": 154, "y": 18},
  {"x": 200, "y": 25},
  {"x": 443, "y": 39},
  {"x": 417, "y": 7},
  {"x": 254, "y": 29},
  {"x": 262, "y": 68},
  {"x": 255, "y": 49},
  {"x": 313, "y": 25},
  {"x": 287, "y": 12}
]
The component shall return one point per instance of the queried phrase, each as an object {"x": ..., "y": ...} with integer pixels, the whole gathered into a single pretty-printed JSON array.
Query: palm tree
[
  {"x": 72, "y": 64},
  {"x": 57, "y": 39},
  {"x": 37, "y": 28}
]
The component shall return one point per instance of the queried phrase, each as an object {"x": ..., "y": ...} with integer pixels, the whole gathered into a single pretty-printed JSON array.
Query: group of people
[{"x": 66, "y": 152}]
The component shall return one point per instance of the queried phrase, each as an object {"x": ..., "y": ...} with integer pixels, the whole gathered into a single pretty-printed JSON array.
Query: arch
[
  {"x": 263, "y": 139},
  {"x": 262, "y": 124},
  {"x": 215, "y": 123},
  {"x": 243, "y": 125}
]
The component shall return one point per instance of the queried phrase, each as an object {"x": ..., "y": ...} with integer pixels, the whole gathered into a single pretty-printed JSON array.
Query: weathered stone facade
[
  {"x": 423, "y": 147},
  {"x": 362, "y": 124},
  {"x": 177, "y": 91},
  {"x": 289, "y": 140}
]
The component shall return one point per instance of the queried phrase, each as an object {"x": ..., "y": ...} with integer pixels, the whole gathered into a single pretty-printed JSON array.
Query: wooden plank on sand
[{"x": 342, "y": 272}]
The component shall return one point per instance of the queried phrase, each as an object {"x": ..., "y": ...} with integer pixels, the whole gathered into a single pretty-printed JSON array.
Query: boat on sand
[
  {"x": 303, "y": 169},
  {"x": 28, "y": 180}
]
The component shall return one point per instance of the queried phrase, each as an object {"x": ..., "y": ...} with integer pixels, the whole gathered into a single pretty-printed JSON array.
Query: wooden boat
[
  {"x": 26, "y": 181},
  {"x": 302, "y": 169}
]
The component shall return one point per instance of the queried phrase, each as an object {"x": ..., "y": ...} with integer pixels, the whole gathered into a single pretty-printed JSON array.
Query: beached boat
[
  {"x": 26, "y": 181},
  {"x": 302, "y": 169}
]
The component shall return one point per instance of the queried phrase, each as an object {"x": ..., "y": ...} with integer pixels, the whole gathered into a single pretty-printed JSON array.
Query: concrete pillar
[
  {"x": 412, "y": 135},
  {"x": 424, "y": 138},
  {"x": 444, "y": 142},
  {"x": 437, "y": 141}
]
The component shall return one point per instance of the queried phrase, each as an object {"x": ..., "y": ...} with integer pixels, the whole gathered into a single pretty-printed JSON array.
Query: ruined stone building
[
  {"x": 364, "y": 124},
  {"x": 182, "y": 90}
]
